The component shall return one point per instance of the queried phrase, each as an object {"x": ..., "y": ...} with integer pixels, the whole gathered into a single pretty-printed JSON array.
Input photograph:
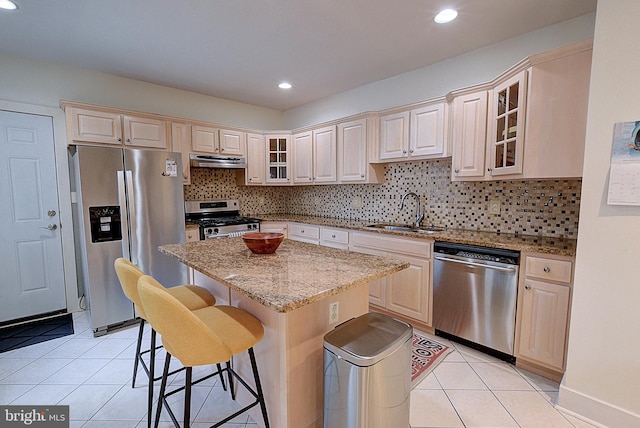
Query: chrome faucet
[{"x": 419, "y": 214}]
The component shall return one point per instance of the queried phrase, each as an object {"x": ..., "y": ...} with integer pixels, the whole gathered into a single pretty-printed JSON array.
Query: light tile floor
[{"x": 93, "y": 376}]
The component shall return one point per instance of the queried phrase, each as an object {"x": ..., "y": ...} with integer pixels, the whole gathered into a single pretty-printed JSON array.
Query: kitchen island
[{"x": 290, "y": 292}]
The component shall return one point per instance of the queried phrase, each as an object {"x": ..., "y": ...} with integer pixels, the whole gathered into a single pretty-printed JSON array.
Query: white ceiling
[{"x": 241, "y": 49}]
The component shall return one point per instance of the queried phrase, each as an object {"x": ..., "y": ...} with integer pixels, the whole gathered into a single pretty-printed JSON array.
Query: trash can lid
[{"x": 367, "y": 339}]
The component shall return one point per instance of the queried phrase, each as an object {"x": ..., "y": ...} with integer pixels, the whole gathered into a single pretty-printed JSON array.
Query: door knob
[
  {"x": 51, "y": 213},
  {"x": 50, "y": 227}
]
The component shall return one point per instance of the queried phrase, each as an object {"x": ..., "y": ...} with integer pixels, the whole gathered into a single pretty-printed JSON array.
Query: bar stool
[
  {"x": 192, "y": 296},
  {"x": 210, "y": 335}
]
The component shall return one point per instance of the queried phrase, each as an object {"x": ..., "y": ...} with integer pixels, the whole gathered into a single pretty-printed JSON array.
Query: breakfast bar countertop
[{"x": 296, "y": 275}]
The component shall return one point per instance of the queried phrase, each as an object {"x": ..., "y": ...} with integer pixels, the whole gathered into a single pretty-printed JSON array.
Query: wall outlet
[
  {"x": 356, "y": 202},
  {"x": 494, "y": 206},
  {"x": 333, "y": 312}
]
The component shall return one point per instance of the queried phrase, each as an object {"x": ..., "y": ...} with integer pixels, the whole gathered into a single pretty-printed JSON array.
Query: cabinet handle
[
  {"x": 120, "y": 139},
  {"x": 128, "y": 140},
  {"x": 456, "y": 171},
  {"x": 310, "y": 179},
  {"x": 527, "y": 287},
  {"x": 547, "y": 269},
  {"x": 222, "y": 150},
  {"x": 411, "y": 151},
  {"x": 333, "y": 236},
  {"x": 361, "y": 175}
]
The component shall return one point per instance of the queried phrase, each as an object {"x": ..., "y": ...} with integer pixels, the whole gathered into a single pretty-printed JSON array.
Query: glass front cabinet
[
  {"x": 505, "y": 138},
  {"x": 278, "y": 158}
]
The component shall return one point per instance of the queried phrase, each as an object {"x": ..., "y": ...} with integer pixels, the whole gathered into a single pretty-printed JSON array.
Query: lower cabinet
[
  {"x": 304, "y": 233},
  {"x": 407, "y": 292},
  {"x": 274, "y": 227},
  {"x": 544, "y": 301}
]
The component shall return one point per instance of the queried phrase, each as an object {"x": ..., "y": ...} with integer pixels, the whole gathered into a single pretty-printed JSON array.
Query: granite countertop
[
  {"x": 296, "y": 275},
  {"x": 530, "y": 243}
]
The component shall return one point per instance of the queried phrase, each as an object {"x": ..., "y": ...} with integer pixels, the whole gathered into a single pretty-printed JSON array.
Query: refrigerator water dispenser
[{"x": 105, "y": 224}]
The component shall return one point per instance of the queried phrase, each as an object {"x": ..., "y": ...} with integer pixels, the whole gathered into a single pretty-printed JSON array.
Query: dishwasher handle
[{"x": 476, "y": 264}]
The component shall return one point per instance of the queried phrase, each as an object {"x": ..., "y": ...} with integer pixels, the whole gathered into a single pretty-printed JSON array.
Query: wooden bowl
[{"x": 262, "y": 243}]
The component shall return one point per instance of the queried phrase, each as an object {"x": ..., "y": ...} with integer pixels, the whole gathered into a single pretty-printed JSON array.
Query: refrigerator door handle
[{"x": 124, "y": 217}]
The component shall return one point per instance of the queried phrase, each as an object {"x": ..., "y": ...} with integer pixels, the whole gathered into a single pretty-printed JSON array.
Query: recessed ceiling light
[
  {"x": 9, "y": 5},
  {"x": 446, "y": 15},
  {"x": 284, "y": 85}
]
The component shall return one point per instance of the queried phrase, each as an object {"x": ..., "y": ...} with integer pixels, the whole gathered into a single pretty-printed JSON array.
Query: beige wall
[
  {"x": 45, "y": 84},
  {"x": 602, "y": 380}
]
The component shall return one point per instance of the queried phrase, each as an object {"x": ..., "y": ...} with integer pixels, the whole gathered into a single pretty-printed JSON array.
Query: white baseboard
[{"x": 594, "y": 411}]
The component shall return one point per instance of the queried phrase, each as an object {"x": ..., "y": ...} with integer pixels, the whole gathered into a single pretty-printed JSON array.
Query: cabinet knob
[
  {"x": 456, "y": 171},
  {"x": 128, "y": 140},
  {"x": 411, "y": 151},
  {"x": 222, "y": 150},
  {"x": 547, "y": 269},
  {"x": 361, "y": 175},
  {"x": 310, "y": 179},
  {"x": 302, "y": 231},
  {"x": 527, "y": 287},
  {"x": 333, "y": 236},
  {"x": 120, "y": 139}
]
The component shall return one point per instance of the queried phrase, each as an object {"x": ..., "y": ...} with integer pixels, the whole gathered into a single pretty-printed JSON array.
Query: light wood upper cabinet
[
  {"x": 181, "y": 142},
  {"x": 106, "y": 127},
  {"x": 355, "y": 139},
  {"x": 302, "y": 157},
  {"x": 505, "y": 133},
  {"x": 394, "y": 136},
  {"x": 469, "y": 131},
  {"x": 419, "y": 133},
  {"x": 232, "y": 142},
  {"x": 428, "y": 131},
  {"x": 324, "y": 155},
  {"x": 278, "y": 165},
  {"x": 255, "y": 171},
  {"x": 314, "y": 156},
  {"x": 204, "y": 139},
  {"x": 94, "y": 126}
]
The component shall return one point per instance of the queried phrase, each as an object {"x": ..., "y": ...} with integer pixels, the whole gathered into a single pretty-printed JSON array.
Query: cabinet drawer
[
  {"x": 334, "y": 238},
  {"x": 415, "y": 247},
  {"x": 548, "y": 269},
  {"x": 304, "y": 231}
]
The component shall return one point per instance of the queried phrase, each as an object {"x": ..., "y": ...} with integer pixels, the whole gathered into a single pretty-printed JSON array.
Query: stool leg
[
  {"x": 233, "y": 392},
  {"x": 152, "y": 373},
  {"x": 137, "y": 359},
  {"x": 224, "y": 385},
  {"x": 187, "y": 396},
  {"x": 163, "y": 387},
  {"x": 256, "y": 376}
]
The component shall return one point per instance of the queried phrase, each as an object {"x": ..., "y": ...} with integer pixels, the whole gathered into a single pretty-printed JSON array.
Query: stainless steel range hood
[{"x": 217, "y": 161}]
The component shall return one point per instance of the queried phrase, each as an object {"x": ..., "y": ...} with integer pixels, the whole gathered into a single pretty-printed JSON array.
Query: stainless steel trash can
[{"x": 367, "y": 373}]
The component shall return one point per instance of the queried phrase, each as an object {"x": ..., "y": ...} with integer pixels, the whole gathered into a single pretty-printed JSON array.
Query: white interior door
[{"x": 31, "y": 263}]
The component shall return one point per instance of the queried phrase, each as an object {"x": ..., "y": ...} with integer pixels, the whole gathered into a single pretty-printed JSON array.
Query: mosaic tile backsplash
[{"x": 545, "y": 208}]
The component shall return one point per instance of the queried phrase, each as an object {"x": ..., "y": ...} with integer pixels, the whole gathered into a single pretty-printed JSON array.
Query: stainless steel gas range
[{"x": 219, "y": 218}]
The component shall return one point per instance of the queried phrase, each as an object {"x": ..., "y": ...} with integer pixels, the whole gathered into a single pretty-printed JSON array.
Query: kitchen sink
[{"x": 427, "y": 230}]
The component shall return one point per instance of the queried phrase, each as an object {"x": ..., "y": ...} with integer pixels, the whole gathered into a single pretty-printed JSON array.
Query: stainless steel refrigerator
[{"x": 127, "y": 202}]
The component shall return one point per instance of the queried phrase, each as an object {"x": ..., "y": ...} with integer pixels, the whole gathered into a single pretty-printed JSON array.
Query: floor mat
[
  {"x": 29, "y": 333},
  {"x": 425, "y": 356}
]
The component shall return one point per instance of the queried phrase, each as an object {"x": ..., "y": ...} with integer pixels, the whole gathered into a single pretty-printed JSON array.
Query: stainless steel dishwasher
[{"x": 474, "y": 296}]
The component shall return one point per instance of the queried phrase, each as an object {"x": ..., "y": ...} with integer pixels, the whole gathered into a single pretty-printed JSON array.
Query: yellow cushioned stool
[
  {"x": 192, "y": 296},
  {"x": 210, "y": 335}
]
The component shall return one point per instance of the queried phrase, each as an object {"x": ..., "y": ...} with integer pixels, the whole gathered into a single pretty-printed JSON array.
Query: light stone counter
[
  {"x": 531, "y": 243},
  {"x": 297, "y": 274}
]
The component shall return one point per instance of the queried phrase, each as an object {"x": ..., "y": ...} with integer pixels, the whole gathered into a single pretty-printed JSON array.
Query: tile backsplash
[{"x": 546, "y": 207}]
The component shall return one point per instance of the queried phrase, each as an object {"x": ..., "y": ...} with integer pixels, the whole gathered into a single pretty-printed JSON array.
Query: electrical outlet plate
[
  {"x": 494, "y": 206},
  {"x": 333, "y": 312},
  {"x": 356, "y": 202}
]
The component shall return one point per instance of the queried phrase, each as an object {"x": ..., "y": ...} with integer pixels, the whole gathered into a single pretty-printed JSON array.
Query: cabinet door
[
  {"x": 427, "y": 136},
  {"x": 408, "y": 290},
  {"x": 352, "y": 151},
  {"x": 469, "y": 134},
  {"x": 277, "y": 159},
  {"x": 304, "y": 233},
  {"x": 324, "y": 155},
  {"x": 377, "y": 287},
  {"x": 394, "y": 136},
  {"x": 505, "y": 139},
  {"x": 181, "y": 142},
  {"x": 145, "y": 132},
  {"x": 303, "y": 158},
  {"x": 274, "y": 227},
  {"x": 232, "y": 142},
  {"x": 255, "y": 159},
  {"x": 204, "y": 139},
  {"x": 544, "y": 320},
  {"x": 94, "y": 126}
]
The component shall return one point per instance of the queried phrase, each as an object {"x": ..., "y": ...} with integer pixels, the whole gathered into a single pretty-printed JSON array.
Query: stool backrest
[
  {"x": 184, "y": 335},
  {"x": 128, "y": 274}
]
